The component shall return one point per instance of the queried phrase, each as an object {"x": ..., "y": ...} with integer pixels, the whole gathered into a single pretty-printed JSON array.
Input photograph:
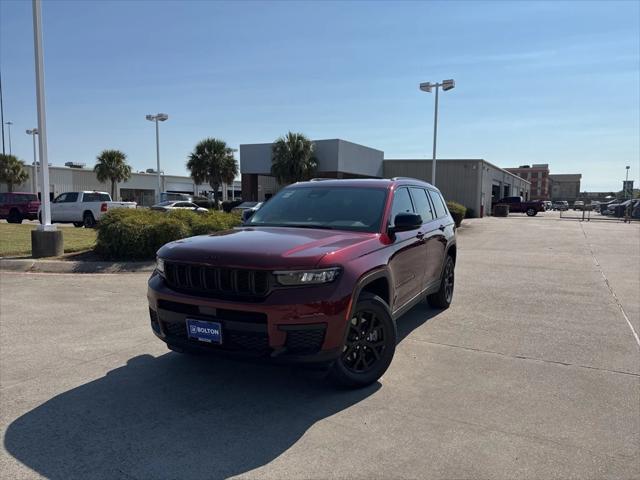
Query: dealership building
[
  {"x": 475, "y": 183},
  {"x": 141, "y": 188},
  {"x": 471, "y": 182}
]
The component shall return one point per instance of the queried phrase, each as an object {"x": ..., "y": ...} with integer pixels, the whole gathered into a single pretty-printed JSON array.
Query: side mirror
[{"x": 405, "y": 222}]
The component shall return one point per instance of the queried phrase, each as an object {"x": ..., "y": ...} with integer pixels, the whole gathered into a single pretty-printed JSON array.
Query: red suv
[
  {"x": 18, "y": 206},
  {"x": 320, "y": 273}
]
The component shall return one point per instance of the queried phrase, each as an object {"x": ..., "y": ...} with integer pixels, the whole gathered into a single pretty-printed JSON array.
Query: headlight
[
  {"x": 160, "y": 265},
  {"x": 307, "y": 277}
]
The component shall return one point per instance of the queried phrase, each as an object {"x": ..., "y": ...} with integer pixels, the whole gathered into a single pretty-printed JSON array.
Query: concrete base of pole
[{"x": 46, "y": 243}]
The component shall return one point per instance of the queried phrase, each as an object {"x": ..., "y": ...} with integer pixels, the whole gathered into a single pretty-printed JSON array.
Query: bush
[
  {"x": 457, "y": 211},
  {"x": 471, "y": 213},
  {"x": 127, "y": 234}
]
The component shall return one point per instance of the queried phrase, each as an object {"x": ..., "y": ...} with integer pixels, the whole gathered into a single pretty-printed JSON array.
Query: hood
[{"x": 271, "y": 247}]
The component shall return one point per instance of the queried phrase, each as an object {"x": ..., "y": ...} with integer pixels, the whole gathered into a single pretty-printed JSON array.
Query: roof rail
[
  {"x": 320, "y": 179},
  {"x": 403, "y": 178}
]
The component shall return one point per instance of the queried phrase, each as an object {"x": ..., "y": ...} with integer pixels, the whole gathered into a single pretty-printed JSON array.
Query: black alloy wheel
[{"x": 365, "y": 342}]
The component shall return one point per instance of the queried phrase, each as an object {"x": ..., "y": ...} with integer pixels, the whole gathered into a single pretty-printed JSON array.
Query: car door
[
  {"x": 432, "y": 235},
  {"x": 444, "y": 229},
  {"x": 407, "y": 261},
  {"x": 57, "y": 208},
  {"x": 66, "y": 207}
]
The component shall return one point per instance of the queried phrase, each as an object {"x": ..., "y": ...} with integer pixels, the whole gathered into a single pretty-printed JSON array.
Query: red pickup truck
[
  {"x": 516, "y": 204},
  {"x": 18, "y": 206}
]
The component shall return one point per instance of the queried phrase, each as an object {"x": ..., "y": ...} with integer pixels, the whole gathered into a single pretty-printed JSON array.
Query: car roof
[{"x": 364, "y": 182}]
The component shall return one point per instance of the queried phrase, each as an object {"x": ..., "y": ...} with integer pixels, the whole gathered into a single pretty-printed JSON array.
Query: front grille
[
  {"x": 254, "y": 342},
  {"x": 217, "y": 282},
  {"x": 305, "y": 341}
]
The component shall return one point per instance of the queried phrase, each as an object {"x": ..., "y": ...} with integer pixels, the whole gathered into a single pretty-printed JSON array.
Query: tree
[
  {"x": 212, "y": 162},
  {"x": 12, "y": 171},
  {"x": 112, "y": 165},
  {"x": 292, "y": 159}
]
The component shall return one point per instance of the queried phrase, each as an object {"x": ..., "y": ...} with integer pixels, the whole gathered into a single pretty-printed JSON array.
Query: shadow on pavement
[{"x": 175, "y": 417}]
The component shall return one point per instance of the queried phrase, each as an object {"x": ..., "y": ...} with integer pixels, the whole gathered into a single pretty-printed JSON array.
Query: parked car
[
  {"x": 18, "y": 206},
  {"x": 561, "y": 205},
  {"x": 604, "y": 206},
  {"x": 620, "y": 209},
  {"x": 169, "y": 206},
  {"x": 246, "y": 206},
  {"x": 517, "y": 204},
  {"x": 578, "y": 205},
  {"x": 82, "y": 208},
  {"x": 320, "y": 273},
  {"x": 246, "y": 213},
  {"x": 547, "y": 205}
]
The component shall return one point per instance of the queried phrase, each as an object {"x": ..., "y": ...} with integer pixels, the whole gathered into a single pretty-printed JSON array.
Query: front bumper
[{"x": 304, "y": 324}]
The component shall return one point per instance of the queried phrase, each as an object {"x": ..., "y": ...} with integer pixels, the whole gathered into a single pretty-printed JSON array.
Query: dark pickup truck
[{"x": 516, "y": 204}]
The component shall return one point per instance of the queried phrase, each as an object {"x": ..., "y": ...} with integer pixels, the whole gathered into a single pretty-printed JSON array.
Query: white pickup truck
[{"x": 82, "y": 208}]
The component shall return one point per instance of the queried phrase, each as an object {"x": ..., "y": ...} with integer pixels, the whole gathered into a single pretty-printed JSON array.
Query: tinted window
[
  {"x": 60, "y": 198},
  {"x": 71, "y": 197},
  {"x": 342, "y": 208},
  {"x": 421, "y": 201},
  {"x": 95, "y": 197},
  {"x": 2, "y": 198},
  {"x": 401, "y": 203},
  {"x": 438, "y": 204}
]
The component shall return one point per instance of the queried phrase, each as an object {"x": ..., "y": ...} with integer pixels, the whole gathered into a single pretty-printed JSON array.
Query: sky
[{"x": 536, "y": 82}]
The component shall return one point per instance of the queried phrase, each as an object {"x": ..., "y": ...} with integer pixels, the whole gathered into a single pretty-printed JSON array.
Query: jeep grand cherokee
[{"x": 320, "y": 273}]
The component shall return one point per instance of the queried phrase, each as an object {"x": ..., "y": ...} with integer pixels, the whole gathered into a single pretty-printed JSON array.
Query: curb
[{"x": 70, "y": 266}]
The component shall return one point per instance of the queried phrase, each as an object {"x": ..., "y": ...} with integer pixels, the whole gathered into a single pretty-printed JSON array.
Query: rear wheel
[
  {"x": 531, "y": 212},
  {"x": 14, "y": 216},
  {"x": 443, "y": 297},
  {"x": 88, "y": 220},
  {"x": 369, "y": 344}
]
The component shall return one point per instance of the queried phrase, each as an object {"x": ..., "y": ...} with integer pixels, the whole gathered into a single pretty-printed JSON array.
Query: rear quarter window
[{"x": 438, "y": 204}]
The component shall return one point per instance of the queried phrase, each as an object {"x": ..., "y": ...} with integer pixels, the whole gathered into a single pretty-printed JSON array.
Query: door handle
[
  {"x": 420, "y": 235},
  {"x": 441, "y": 228}
]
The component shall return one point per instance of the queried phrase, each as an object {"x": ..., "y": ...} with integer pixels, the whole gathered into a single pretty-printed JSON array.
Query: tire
[
  {"x": 531, "y": 212},
  {"x": 14, "y": 216},
  {"x": 443, "y": 297},
  {"x": 365, "y": 357},
  {"x": 88, "y": 221},
  {"x": 78, "y": 224}
]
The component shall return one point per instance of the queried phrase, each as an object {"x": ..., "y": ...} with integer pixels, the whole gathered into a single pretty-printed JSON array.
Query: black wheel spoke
[{"x": 365, "y": 342}]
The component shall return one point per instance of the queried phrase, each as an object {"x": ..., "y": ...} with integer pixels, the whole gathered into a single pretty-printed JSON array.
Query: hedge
[
  {"x": 457, "y": 211},
  {"x": 137, "y": 234}
]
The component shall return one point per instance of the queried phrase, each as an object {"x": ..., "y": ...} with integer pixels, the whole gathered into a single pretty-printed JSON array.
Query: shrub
[
  {"x": 457, "y": 211},
  {"x": 471, "y": 213},
  {"x": 138, "y": 233}
]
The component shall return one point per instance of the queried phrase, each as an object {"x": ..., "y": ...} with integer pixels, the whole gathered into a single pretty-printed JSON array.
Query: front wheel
[
  {"x": 369, "y": 345},
  {"x": 443, "y": 297},
  {"x": 531, "y": 212},
  {"x": 78, "y": 224}
]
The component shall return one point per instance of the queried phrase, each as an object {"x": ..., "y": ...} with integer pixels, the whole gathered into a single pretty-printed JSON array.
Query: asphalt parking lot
[{"x": 534, "y": 372}]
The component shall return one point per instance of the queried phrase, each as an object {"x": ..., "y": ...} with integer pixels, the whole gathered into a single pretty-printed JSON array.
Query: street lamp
[
  {"x": 9, "y": 125},
  {"x": 159, "y": 117},
  {"x": 427, "y": 87},
  {"x": 33, "y": 132},
  {"x": 626, "y": 183}
]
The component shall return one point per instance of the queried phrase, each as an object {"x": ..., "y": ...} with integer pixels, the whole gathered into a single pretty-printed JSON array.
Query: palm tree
[
  {"x": 292, "y": 158},
  {"x": 112, "y": 165},
  {"x": 12, "y": 171},
  {"x": 212, "y": 162}
]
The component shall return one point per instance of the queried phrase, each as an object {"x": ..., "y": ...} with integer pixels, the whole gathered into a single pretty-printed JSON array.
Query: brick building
[{"x": 538, "y": 175}]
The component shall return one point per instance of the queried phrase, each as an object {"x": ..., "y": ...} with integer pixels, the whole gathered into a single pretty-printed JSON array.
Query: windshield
[{"x": 340, "y": 208}]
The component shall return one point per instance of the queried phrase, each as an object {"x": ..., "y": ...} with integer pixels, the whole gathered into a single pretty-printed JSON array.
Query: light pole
[
  {"x": 626, "y": 183},
  {"x": 159, "y": 117},
  {"x": 33, "y": 132},
  {"x": 9, "y": 131},
  {"x": 427, "y": 87}
]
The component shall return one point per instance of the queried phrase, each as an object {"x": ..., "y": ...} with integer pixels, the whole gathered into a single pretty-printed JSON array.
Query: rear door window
[
  {"x": 438, "y": 204},
  {"x": 423, "y": 206}
]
